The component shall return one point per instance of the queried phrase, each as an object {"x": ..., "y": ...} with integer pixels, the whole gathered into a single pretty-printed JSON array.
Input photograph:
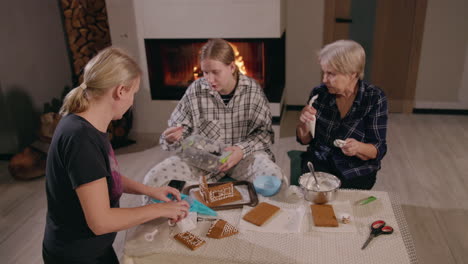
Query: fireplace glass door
[{"x": 173, "y": 64}]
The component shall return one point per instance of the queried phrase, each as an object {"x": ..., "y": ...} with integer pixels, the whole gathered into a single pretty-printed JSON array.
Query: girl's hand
[
  {"x": 173, "y": 134},
  {"x": 232, "y": 161},
  {"x": 161, "y": 193}
]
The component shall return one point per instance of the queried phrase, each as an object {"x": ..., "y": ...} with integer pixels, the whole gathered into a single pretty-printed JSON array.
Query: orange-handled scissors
[{"x": 378, "y": 228}]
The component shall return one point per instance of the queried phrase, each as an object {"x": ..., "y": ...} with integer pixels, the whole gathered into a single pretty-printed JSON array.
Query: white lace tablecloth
[{"x": 309, "y": 246}]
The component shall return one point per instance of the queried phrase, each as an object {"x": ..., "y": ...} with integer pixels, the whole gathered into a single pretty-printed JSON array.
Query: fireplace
[
  {"x": 159, "y": 33},
  {"x": 173, "y": 64}
]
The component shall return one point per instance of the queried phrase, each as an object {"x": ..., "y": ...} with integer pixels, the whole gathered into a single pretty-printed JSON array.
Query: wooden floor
[{"x": 426, "y": 165}]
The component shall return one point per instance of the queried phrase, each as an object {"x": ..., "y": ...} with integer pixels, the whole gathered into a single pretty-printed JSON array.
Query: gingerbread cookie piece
[
  {"x": 218, "y": 195},
  {"x": 324, "y": 215},
  {"x": 221, "y": 229},
  {"x": 261, "y": 213},
  {"x": 190, "y": 240}
]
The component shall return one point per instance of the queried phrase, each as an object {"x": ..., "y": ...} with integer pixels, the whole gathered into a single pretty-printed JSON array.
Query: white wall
[
  {"x": 443, "y": 71},
  {"x": 34, "y": 67},
  {"x": 209, "y": 18},
  {"x": 304, "y": 38},
  {"x": 133, "y": 21}
]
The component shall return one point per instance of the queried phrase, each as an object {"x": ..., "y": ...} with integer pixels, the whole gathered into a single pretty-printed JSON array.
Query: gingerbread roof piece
[{"x": 221, "y": 229}]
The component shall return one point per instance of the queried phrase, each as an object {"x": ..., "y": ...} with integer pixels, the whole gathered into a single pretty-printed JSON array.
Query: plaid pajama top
[
  {"x": 245, "y": 121},
  {"x": 366, "y": 122}
]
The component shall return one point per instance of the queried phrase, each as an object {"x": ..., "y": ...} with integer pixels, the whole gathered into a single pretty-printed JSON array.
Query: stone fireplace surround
[{"x": 133, "y": 21}]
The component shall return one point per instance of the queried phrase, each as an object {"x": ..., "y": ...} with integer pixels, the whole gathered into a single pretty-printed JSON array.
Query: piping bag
[
  {"x": 195, "y": 206},
  {"x": 312, "y": 123}
]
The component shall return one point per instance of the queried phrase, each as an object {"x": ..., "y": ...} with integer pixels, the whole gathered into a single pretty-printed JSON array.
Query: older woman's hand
[
  {"x": 307, "y": 114},
  {"x": 364, "y": 151},
  {"x": 303, "y": 130},
  {"x": 351, "y": 147}
]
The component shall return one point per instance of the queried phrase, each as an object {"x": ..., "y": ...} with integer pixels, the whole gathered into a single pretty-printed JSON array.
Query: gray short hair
[{"x": 344, "y": 56}]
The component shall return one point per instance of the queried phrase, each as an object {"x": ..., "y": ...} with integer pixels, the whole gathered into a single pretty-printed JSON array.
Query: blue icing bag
[{"x": 195, "y": 206}]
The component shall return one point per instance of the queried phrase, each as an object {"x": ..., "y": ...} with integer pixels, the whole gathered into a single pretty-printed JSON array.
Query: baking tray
[{"x": 252, "y": 195}]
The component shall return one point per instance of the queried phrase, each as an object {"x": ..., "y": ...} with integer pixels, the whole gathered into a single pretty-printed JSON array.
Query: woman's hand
[
  {"x": 173, "y": 134},
  {"x": 232, "y": 161},
  {"x": 303, "y": 131},
  {"x": 307, "y": 114},
  {"x": 351, "y": 147},
  {"x": 173, "y": 210},
  {"x": 161, "y": 193},
  {"x": 364, "y": 151}
]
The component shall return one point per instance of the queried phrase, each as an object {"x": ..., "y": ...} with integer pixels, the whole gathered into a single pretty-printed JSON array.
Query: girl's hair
[
  {"x": 111, "y": 67},
  {"x": 220, "y": 50},
  {"x": 344, "y": 56}
]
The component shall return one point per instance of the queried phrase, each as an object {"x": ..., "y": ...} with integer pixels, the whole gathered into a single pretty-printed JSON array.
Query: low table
[{"x": 308, "y": 246}]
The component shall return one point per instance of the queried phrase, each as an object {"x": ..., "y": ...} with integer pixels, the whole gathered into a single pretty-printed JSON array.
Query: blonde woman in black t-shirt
[{"x": 83, "y": 182}]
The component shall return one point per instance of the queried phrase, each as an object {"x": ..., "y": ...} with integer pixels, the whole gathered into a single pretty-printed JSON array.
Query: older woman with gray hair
[{"x": 350, "y": 116}]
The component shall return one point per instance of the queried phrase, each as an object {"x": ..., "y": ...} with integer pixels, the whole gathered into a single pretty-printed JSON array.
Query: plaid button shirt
[
  {"x": 366, "y": 122},
  {"x": 245, "y": 121}
]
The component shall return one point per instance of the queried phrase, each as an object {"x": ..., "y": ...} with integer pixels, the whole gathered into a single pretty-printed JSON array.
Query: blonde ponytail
[
  {"x": 111, "y": 67},
  {"x": 75, "y": 102}
]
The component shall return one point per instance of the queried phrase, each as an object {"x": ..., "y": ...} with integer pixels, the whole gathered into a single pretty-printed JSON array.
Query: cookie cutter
[{"x": 150, "y": 236}]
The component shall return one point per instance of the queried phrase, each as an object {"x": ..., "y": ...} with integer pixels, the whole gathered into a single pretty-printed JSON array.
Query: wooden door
[
  {"x": 396, "y": 45},
  {"x": 337, "y": 19}
]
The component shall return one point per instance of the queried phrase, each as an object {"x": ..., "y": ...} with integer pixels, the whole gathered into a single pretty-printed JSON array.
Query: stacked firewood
[{"x": 87, "y": 30}]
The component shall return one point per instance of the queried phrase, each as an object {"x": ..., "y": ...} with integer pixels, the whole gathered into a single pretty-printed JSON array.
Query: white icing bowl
[{"x": 329, "y": 184}]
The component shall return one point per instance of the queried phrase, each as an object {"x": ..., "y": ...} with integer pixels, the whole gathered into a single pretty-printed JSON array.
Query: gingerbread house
[{"x": 219, "y": 194}]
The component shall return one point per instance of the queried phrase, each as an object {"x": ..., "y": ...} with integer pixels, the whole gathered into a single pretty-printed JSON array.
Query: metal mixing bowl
[{"x": 329, "y": 185}]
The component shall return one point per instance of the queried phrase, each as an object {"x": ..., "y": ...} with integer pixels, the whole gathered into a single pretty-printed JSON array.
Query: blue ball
[{"x": 267, "y": 185}]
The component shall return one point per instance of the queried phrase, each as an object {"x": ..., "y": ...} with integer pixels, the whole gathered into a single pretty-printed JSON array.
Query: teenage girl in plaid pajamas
[{"x": 223, "y": 105}]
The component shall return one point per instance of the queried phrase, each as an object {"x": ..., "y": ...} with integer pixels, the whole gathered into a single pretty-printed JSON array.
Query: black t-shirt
[{"x": 78, "y": 154}]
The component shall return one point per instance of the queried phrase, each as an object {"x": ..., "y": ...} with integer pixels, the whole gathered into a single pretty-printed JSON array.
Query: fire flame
[
  {"x": 196, "y": 73},
  {"x": 239, "y": 61}
]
